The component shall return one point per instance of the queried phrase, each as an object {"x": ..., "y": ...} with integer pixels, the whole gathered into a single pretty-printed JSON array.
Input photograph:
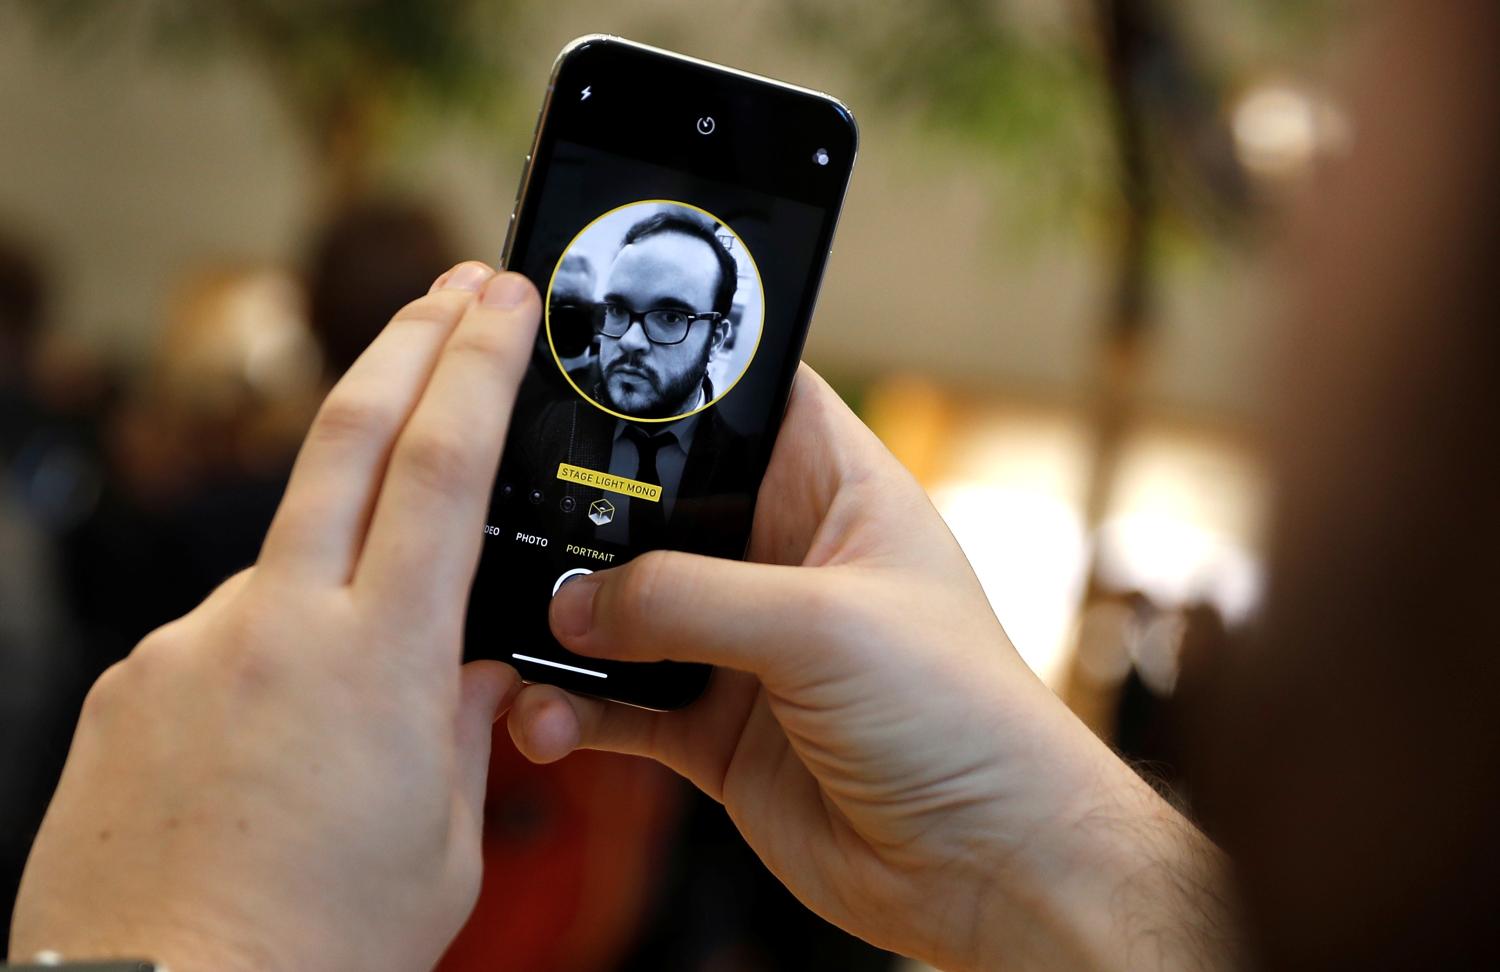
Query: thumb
[
  {"x": 683, "y": 607},
  {"x": 486, "y": 690}
]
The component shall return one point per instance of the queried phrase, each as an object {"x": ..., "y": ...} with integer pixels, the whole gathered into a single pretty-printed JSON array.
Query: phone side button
[
  {"x": 510, "y": 227},
  {"x": 510, "y": 237}
]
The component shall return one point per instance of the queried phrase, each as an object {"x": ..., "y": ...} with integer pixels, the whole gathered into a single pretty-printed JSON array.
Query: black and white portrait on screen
[{"x": 654, "y": 313}]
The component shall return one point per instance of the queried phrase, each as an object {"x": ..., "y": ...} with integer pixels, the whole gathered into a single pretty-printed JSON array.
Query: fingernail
[
  {"x": 573, "y": 607},
  {"x": 470, "y": 277},
  {"x": 438, "y": 283},
  {"x": 505, "y": 290}
]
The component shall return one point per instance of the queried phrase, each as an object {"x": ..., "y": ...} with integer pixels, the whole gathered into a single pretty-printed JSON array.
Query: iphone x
[{"x": 676, "y": 217}]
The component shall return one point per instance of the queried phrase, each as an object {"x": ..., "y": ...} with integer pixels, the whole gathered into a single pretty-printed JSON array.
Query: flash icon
[{"x": 586, "y": 92}]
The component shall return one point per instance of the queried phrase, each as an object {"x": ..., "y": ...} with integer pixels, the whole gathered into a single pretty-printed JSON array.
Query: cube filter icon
[{"x": 601, "y": 511}]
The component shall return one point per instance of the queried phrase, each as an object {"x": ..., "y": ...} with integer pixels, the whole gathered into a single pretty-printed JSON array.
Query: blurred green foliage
[
  {"x": 1020, "y": 83},
  {"x": 1024, "y": 86},
  {"x": 1024, "y": 94}
]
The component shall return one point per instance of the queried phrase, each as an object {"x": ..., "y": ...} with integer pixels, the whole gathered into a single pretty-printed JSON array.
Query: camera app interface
[{"x": 674, "y": 316}]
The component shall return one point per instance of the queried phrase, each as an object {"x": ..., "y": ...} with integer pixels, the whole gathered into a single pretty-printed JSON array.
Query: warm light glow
[
  {"x": 1184, "y": 528},
  {"x": 1029, "y": 552},
  {"x": 1185, "y": 523},
  {"x": 1013, "y": 499},
  {"x": 1280, "y": 130},
  {"x": 1176, "y": 562}
]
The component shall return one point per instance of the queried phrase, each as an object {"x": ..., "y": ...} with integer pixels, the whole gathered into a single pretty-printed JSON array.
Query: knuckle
[
  {"x": 236, "y": 581},
  {"x": 104, "y": 695},
  {"x": 227, "y": 591},
  {"x": 437, "y": 309},
  {"x": 161, "y": 653},
  {"x": 441, "y": 461},
  {"x": 243, "y": 650},
  {"x": 347, "y": 417},
  {"x": 251, "y": 669},
  {"x": 824, "y": 601},
  {"x": 137, "y": 674},
  {"x": 245, "y": 625},
  {"x": 487, "y": 346},
  {"x": 158, "y": 646},
  {"x": 639, "y": 595}
]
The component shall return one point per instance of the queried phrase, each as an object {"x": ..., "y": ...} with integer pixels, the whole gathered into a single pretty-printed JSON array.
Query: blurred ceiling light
[
  {"x": 1186, "y": 524},
  {"x": 1281, "y": 130},
  {"x": 1176, "y": 562},
  {"x": 1029, "y": 551},
  {"x": 1184, "y": 528}
]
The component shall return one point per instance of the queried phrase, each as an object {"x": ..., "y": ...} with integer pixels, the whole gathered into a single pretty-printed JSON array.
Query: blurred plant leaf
[
  {"x": 1023, "y": 84},
  {"x": 972, "y": 77}
]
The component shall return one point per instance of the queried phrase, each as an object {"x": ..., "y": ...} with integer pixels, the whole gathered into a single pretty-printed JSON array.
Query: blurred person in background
[
  {"x": 196, "y": 454},
  {"x": 574, "y": 290},
  {"x": 55, "y": 396},
  {"x": 52, "y": 394},
  {"x": 37, "y": 673},
  {"x": 21, "y": 298},
  {"x": 200, "y": 451},
  {"x": 877, "y": 741},
  {"x": 1348, "y": 756},
  {"x": 363, "y": 266}
]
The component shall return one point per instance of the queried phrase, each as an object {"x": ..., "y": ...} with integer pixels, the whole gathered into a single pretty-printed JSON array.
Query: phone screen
[{"x": 677, "y": 218}]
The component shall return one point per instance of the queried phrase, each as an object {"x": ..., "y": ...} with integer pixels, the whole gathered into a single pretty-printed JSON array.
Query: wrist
[
  {"x": 51, "y": 960},
  {"x": 170, "y": 950},
  {"x": 1116, "y": 879}
]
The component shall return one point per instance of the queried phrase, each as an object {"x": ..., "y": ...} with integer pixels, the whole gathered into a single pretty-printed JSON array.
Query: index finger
[
  {"x": 320, "y": 524},
  {"x": 424, "y": 538}
]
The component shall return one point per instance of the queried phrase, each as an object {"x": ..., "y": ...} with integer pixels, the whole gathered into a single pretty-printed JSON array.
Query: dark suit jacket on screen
[{"x": 712, "y": 509}]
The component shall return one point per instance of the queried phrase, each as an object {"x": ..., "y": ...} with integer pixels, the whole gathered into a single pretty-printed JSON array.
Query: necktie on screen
[{"x": 648, "y": 520}]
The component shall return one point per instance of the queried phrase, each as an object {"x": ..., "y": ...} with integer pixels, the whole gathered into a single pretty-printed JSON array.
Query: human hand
[
  {"x": 874, "y": 735},
  {"x": 292, "y": 775}
]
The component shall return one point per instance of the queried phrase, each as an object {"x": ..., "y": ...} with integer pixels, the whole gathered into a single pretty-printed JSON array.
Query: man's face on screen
[{"x": 645, "y": 380}]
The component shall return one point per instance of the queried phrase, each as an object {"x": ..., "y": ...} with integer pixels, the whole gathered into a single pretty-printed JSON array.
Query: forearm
[
  {"x": 1123, "y": 881},
  {"x": 1163, "y": 899},
  {"x": 165, "y": 936},
  {"x": 176, "y": 953}
]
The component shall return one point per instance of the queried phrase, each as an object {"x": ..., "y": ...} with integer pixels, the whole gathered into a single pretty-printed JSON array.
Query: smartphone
[{"x": 677, "y": 217}]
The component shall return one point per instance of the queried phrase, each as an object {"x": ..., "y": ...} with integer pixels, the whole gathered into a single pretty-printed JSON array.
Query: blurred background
[{"x": 1048, "y": 297}]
